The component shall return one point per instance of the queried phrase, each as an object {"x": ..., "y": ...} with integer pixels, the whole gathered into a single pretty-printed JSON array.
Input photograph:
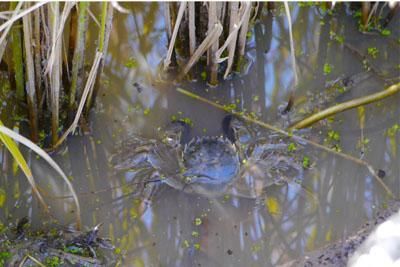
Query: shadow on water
[{"x": 178, "y": 229}]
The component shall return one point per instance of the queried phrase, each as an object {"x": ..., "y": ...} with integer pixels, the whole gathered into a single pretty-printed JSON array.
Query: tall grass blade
[
  {"x": 19, "y": 138},
  {"x": 16, "y": 153}
]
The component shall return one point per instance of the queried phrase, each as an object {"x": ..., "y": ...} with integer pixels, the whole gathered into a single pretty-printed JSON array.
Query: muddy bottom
[{"x": 338, "y": 253}]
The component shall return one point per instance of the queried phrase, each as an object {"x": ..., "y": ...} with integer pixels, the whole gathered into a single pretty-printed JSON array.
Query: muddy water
[{"x": 177, "y": 229}]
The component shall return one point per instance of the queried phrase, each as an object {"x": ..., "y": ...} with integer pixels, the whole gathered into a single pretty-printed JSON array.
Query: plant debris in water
[{"x": 23, "y": 246}]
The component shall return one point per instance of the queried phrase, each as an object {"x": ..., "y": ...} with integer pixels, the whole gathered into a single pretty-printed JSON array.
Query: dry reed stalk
[
  {"x": 30, "y": 77},
  {"x": 231, "y": 40},
  {"x": 38, "y": 60},
  {"x": 54, "y": 72},
  {"x": 207, "y": 42},
  {"x": 373, "y": 11},
  {"x": 120, "y": 8},
  {"x": 44, "y": 46},
  {"x": 15, "y": 9},
  {"x": 365, "y": 8},
  {"x": 233, "y": 31},
  {"x": 243, "y": 29},
  {"x": 181, "y": 11},
  {"x": 213, "y": 64},
  {"x": 56, "y": 39},
  {"x": 292, "y": 52},
  {"x": 104, "y": 38},
  {"x": 88, "y": 88},
  {"x": 21, "y": 14},
  {"x": 79, "y": 54},
  {"x": 222, "y": 11},
  {"x": 192, "y": 28},
  {"x": 167, "y": 17}
]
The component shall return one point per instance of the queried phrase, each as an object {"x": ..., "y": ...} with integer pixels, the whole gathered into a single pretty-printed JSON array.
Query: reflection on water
[{"x": 179, "y": 229}]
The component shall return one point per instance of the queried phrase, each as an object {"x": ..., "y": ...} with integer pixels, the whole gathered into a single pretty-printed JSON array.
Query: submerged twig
[
  {"x": 290, "y": 135},
  {"x": 346, "y": 105}
]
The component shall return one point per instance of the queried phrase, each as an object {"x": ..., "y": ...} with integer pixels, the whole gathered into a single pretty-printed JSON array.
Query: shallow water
[{"x": 179, "y": 229}]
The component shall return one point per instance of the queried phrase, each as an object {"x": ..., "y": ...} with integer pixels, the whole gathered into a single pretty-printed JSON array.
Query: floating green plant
[
  {"x": 373, "y": 52},
  {"x": 327, "y": 68}
]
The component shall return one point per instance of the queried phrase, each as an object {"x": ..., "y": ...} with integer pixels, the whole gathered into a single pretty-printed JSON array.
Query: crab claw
[{"x": 176, "y": 133}]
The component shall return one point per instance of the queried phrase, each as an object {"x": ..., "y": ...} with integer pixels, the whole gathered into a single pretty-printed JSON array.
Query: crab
[{"x": 240, "y": 162}]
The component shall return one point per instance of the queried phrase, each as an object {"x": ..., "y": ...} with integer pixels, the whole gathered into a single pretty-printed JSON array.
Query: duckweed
[
  {"x": 197, "y": 221},
  {"x": 292, "y": 147},
  {"x": 53, "y": 261},
  {"x": 373, "y": 52},
  {"x": 131, "y": 63},
  {"x": 333, "y": 135},
  {"x": 306, "y": 162},
  {"x": 195, "y": 234},
  {"x": 386, "y": 32},
  {"x": 327, "y": 68},
  {"x": 146, "y": 111}
]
